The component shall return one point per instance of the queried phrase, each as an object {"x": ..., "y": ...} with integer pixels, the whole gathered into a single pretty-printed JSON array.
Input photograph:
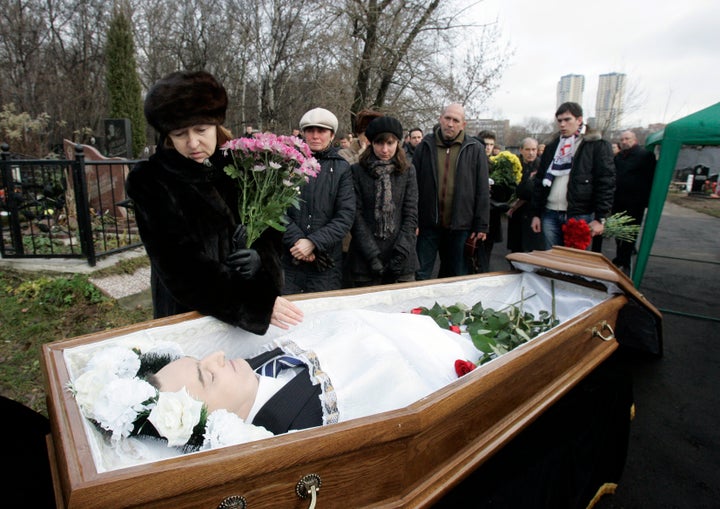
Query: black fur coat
[{"x": 187, "y": 213}]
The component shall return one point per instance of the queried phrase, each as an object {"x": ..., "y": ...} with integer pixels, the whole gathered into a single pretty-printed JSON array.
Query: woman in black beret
[
  {"x": 382, "y": 249},
  {"x": 186, "y": 211}
]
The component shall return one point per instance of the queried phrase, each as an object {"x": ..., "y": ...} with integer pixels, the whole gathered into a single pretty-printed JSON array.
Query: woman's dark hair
[
  {"x": 150, "y": 364},
  {"x": 399, "y": 159}
]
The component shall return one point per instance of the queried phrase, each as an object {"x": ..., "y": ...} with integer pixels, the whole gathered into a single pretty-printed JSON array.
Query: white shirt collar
[{"x": 267, "y": 387}]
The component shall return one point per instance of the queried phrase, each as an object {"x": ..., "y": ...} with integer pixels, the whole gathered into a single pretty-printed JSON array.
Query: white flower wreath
[{"x": 109, "y": 393}]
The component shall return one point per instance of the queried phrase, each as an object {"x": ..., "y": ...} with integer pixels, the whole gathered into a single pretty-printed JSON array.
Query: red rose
[
  {"x": 455, "y": 329},
  {"x": 463, "y": 367},
  {"x": 576, "y": 234},
  {"x": 416, "y": 311}
]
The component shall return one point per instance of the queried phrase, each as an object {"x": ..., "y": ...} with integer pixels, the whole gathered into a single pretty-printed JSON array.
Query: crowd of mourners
[{"x": 388, "y": 205}]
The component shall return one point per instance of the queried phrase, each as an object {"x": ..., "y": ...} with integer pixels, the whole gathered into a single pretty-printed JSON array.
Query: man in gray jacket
[{"x": 454, "y": 195}]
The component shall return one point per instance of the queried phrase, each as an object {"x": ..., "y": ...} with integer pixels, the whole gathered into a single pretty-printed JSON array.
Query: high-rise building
[
  {"x": 570, "y": 89},
  {"x": 499, "y": 127},
  {"x": 609, "y": 101}
]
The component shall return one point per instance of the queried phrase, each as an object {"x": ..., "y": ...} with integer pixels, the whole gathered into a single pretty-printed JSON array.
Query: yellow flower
[{"x": 505, "y": 169}]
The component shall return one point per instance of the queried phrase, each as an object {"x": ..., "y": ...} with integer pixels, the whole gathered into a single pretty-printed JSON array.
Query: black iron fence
[{"x": 65, "y": 208}]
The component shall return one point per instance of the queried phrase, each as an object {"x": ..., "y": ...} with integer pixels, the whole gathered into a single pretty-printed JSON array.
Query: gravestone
[
  {"x": 118, "y": 138},
  {"x": 105, "y": 182}
]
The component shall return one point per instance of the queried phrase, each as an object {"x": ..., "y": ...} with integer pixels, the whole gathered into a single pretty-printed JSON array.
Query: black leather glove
[
  {"x": 239, "y": 238},
  {"x": 397, "y": 261},
  {"x": 377, "y": 267},
  {"x": 245, "y": 261},
  {"x": 323, "y": 261}
]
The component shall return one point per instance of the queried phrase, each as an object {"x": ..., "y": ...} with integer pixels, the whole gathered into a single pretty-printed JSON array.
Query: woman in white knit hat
[{"x": 312, "y": 257}]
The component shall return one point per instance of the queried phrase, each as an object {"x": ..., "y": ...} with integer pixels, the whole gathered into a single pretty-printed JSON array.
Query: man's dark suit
[{"x": 295, "y": 406}]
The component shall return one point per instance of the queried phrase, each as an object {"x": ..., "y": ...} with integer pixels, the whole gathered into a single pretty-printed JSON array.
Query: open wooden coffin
[{"x": 407, "y": 457}]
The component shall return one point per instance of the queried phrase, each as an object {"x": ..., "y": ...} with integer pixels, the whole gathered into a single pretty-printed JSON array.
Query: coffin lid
[{"x": 595, "y": 266}]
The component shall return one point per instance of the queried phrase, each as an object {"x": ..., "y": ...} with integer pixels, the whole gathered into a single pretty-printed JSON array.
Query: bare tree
[
  {"x": 276, "y": 59},
  {"x": 402, "y": 61},
  {"x": 23, "y": 35}
]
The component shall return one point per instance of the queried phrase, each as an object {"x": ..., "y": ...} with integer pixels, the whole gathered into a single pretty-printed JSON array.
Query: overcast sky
[{"x": 670, "y": 52}]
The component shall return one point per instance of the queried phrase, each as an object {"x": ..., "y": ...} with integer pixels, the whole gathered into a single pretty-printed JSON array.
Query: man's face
[
  {"x": 627, "y": 140},
  {"x": 452, "y": 121},
  {"x": 568, "y": 124},
  {"x": 415, "y": 138},
  {"x": 216, "y": 381},
  {"x": 489, "y": 146},
  {"x": 529, "y": 151}
]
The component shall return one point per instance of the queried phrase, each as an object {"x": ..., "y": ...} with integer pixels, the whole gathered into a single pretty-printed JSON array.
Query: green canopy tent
[{"x": 699, "y": 128}]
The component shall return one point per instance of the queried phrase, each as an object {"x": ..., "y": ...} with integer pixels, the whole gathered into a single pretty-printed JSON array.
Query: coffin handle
[
  {"x": 233, "y": 502},
  {"x": 599, "y": 331},
  {"x": 308, "y": 486}
]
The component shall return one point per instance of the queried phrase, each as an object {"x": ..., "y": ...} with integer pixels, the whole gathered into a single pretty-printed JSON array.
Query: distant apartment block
[
  {"x": 609, "y": 101},
  {"x": 499, "y": 127},
  {"x": 570, "y": 88}
]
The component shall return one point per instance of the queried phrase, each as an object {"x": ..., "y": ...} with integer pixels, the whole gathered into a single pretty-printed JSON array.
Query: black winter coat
[
  {"x": 471, "y": 195},
  {"x": 635, "y": 169},
  {"x": 325, "y": 216},
  {"x": 187, "y": 213},
  {"x": 365, "y": 245},
  {"x": 592, "y": 178}
]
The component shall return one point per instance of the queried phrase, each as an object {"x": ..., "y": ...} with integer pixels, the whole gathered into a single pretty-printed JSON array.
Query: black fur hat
[{"x": 185, "y": 98}]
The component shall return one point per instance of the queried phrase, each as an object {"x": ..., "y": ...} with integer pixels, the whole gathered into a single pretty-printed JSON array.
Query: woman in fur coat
[
  {"x": 382, "y": 249},
  {"x": 186, "y": 211}
]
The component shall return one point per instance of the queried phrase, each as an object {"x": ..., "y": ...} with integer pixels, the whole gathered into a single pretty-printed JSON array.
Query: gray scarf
[{"x": 384, "y": 206}]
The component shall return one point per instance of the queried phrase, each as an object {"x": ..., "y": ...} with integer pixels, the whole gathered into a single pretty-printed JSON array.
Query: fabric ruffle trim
[{"x": 328, "y": 398}]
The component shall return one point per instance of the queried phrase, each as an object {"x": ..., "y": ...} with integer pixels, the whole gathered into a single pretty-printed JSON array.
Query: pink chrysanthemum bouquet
[{"x": 269, "y": 170}]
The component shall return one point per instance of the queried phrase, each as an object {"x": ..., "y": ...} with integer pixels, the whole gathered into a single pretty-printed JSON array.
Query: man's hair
[
  {"x": 415, "y": 129},
  {"x": 486, "y": 135},
  {"x": 569, "y": 107},
  {"x": 525, "y": 140}
]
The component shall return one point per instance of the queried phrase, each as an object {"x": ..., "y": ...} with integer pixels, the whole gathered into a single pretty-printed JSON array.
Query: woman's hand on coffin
[
  {"x": 245, "y": 261},
  {"x": 285, "y": 314}
]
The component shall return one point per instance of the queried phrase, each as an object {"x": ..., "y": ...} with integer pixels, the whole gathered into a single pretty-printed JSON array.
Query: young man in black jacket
[{"x": 576, "y": 178}]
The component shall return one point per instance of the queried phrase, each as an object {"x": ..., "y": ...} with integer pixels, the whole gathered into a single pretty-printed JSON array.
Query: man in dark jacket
[
  {"x": 415, "y": 136},
  {"x": 313, "y": 257},
  {"x": 576, "y": 178},
  {"x": 635, "y": 168},
  {"x": 454, "y": 195},
  {"x": 521, "y": 238}
]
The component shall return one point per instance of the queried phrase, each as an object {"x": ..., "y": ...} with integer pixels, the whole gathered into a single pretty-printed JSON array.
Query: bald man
[
  {"x": 634, "y": 174},
  {"x": 454, "y": 195}
]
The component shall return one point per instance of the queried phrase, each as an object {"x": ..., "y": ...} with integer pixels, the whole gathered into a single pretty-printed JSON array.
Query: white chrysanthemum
[
  {"x": 226, "y": 428},
  {"x": 175, "y": 416},
  {"x": 87, "y": 387},
  {"x": 118, "y": 360},
  {"x": 118, "y": 404}
]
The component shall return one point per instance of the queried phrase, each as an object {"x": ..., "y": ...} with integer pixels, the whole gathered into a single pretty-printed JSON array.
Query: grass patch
[
  {"x": 697, "y": 202},
  {"x": 39, "y": 308}
]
